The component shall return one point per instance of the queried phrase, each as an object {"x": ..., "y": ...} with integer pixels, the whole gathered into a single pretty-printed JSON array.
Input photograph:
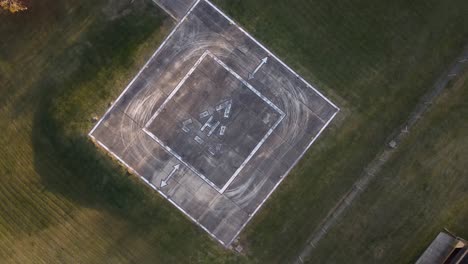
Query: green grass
[
  {"x": 423, "y": 190},
  {"x": 374, "y": 59},
  {"x": 62, "y": 200}
]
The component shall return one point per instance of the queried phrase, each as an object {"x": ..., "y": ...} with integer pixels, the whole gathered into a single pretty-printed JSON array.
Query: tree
[{"x": 13, "y": 5}]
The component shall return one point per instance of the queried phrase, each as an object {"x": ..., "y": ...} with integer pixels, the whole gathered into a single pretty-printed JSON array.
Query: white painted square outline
[
  {"x": 156, "y": 52},
  {"x": 176, "y": 89}
]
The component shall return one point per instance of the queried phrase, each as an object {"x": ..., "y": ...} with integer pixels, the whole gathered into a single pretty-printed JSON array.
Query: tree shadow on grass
[
  {"x": 87, "y": 176},
  {"x": 81, "y": 172}
]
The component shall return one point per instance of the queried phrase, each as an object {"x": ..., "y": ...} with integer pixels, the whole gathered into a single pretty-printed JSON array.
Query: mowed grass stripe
[
  {"x": 39, "y": 204},
  {"x": 29, "y": 213},
  {"x": 55, "y": 209},
  {"x": 24, "y": 187},
  {"x": 374, "y": 63},
  {"x": 55, "y": 239},
  {"x": 119, "y": 232}
]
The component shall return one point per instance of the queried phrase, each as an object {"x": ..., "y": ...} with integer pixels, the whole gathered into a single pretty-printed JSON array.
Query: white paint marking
[
  {"x": 199, "y": 140},
  {"x": 257, "y": 147},
  {"x": 171, "y": 151},
  {"x": 282, "y": 178},
  {"x": 144, "y": 67},
  {"x": 185, "y": 125},
  {"x": 213, "y": 129},
  {"x": 164, "y": 181},
  {"x": 264, "y": 61},
  {"x": 204, "y": 114},
  {"x": 226, "y": 105},
  {"x": 159, "y": 191},
  {"x": 165, "y": 9},
  {"x": 207, "y": 124},
  {"x": 176, "y": 89},
  {"x": 266, "y": 100},
  {"x": 271, "y": 54},
  {"x": 222, "y": 130},
  {"x": 227, "y": 111}
]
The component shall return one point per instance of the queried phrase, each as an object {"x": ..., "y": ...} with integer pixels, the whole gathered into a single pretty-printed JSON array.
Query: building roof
[{"x": 445, "y": 249}]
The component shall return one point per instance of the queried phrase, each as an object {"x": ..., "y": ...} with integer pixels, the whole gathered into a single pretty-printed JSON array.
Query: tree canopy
[{"x": 13, "y": 5}]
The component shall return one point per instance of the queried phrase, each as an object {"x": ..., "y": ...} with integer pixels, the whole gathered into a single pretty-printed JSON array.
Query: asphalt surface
[{"x": 214, "y": 121}]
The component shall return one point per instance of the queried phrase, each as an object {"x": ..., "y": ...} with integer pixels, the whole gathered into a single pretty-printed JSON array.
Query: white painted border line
[
  {"x": 270, "y": 103},
  {"x": 160, "y": 192},
  {"x": 282, "y": 178},
  {"x": 156, "y": 2},
  {"x": 158, "y": 111},
  {"x": 271, "y": 54},
  {"x": 257, "y": 147},
  {"x": 177, "y": 156},
  {"x": 111, "y": 152},
  {"x": 144, "y": 66},
  {"x": 123, "y": 162},
  {"x": 175, "y": 90},
  {"x": 266, "y": 100}
]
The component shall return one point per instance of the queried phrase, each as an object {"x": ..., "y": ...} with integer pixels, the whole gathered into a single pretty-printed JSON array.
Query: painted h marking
[
  {"x": 146, "y": 66},
  {"x": 209, "y": 123}
]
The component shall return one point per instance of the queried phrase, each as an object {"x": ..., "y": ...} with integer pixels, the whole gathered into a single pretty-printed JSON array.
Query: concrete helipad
[{"x": 214, "y": 121}]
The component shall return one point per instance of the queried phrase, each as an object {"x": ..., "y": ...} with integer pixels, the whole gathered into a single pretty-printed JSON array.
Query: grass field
[
  {"x": 62, "y": 62},
  {"x": 62, "y": 200},
  {"x": 374, "y": 59},
  {"x": 422, "y": 191}
]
